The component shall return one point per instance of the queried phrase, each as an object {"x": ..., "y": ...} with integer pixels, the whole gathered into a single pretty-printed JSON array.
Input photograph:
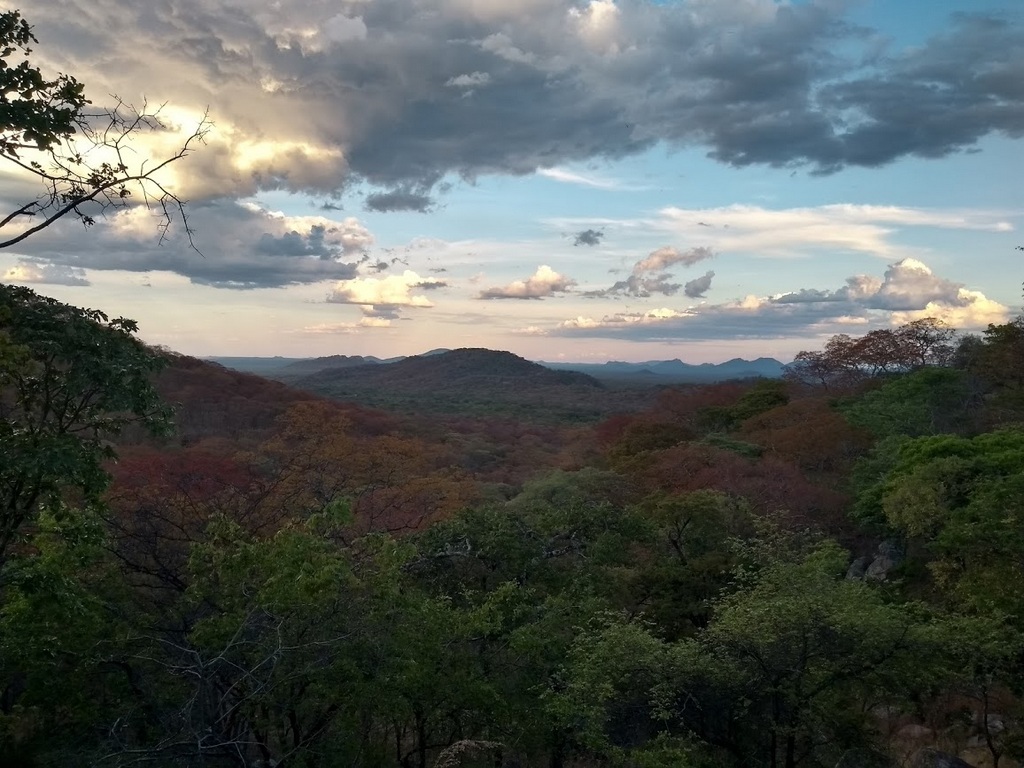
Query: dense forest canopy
[
  {"x": 201, "y": 567},
  {"x": 773, "y": 572}
]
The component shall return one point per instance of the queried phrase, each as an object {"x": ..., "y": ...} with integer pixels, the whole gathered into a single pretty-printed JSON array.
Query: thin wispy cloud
[
  {"x": 570, "y": 177},
  {"x": 805, "y": 231}
]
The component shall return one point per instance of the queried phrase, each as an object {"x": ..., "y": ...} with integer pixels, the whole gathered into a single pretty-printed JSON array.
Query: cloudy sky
[{"x": 565, "y": 179}]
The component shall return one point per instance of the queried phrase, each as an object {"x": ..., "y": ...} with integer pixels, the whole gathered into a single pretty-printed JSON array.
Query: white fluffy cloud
[
  {"x": 390, "y": 291},
  {"x": 908, "y": 290},
  {"x": 971, "y": 310},
  {"x": 543, "y": 283},
  {"x": 27, "y": 271},
  {"x": 621, "y": 320},
  {"x": 471, "y": 80},
  {"x": 908, "y": 285}
]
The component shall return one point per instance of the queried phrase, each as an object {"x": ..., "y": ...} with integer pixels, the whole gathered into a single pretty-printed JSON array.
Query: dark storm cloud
[
  {"x": 588, "y": 237},
  {"x": 401, "y": 94},
  {"x": 939, "y": 99}
]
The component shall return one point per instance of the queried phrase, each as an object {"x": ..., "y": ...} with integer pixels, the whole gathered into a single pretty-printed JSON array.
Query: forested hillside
[
  {"x": 202, "y": 567},
  {"x": 481, "y": 382}
]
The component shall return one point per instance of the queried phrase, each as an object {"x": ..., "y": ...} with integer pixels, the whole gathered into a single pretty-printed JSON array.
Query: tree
[
  {"x": 834, "y": 366},
  {"x": 998, "y": 360},
  {"x": 784, "y": 675},
  {"x": 962, "y": 501},
  {"x": 692, "y": 560},
  {"x": 846, "y": 361},
  {"x": 928, "y": 401},
  {"x": 808, "y": 432},
  {"x": 810, "y": 651},
  {"x": 70, "y": 379},
  {"x": 83, "y": 160}
]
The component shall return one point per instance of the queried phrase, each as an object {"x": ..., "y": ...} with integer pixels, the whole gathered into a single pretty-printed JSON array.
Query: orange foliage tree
[{"x": 846, "y": 361}]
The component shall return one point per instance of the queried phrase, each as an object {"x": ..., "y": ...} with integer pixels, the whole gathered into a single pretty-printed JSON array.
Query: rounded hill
[
  {"x": 463, "y": 368},
  {"x": 481, "y": 380}
]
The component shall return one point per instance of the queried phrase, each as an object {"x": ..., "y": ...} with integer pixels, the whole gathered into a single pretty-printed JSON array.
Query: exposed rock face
[
  {"x": 888, "y": 557},
  {"x": 914, "y": 731},
  {"x": 858, "y": 568},
  {"x": 932, "y": 758},
  {"x": 877, "y": 568},
  {"x": 862, "y": 758}
]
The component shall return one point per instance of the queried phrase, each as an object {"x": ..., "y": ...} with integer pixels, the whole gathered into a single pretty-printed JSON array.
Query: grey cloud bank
[
  {"x": 244, "y": 247},
  {"x": 400, "y": 93},
  {"x": 908, "y": 290}
]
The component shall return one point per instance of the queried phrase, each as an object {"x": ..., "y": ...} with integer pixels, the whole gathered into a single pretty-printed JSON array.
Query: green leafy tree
[
  {"x": 761, "y": 397},
  {"x": 960, "y": 502},
  {"x": 616, "y": 698},
  {"x": 784, "y": 675},
  {"x": 927, "y": 401},
  {"x": 70, "y": 380},
  {"x": 693, "y": 559},
  {"x": 998, "y": 361},
  {"x": 260, "y": 660},
  {"x": 536, "y": 572},
  {"x": 810, "y": 651},
  {"x": 59, "y": 630}
]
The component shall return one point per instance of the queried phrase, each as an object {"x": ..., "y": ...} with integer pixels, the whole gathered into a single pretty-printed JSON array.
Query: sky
[{"x": 574, "y": 180}]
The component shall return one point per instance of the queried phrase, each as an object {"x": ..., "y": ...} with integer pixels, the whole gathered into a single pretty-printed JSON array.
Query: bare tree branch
[{"x": 70, "y": 182}]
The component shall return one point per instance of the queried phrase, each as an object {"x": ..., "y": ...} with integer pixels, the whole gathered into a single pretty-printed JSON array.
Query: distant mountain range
[
  {"x": 293, "y": 370},
  {"x": 661, "y": 371}
]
